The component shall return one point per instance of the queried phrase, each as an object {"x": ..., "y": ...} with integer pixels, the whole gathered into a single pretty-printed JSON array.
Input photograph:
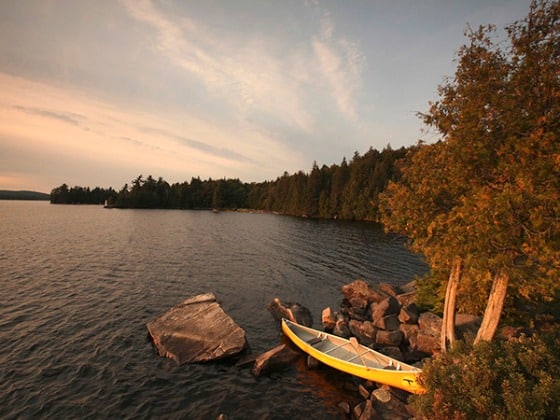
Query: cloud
[
  {"x": 180, "y": 96},
  {"x": 67, "y": 117},
  {"x": 257, "y": 75},
  {"x": 65, "y": 128},
  {"x": 341, "y": 62},
  {"x": 187, "y": 45},
  {"x": 221, "y": 152}
]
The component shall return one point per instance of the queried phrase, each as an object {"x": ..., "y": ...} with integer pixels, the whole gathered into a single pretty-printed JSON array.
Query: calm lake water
[{"x": 79, "y": 283}]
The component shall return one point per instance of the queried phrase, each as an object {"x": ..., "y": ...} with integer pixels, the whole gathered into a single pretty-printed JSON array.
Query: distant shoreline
[{"x": 24, "y": 195}]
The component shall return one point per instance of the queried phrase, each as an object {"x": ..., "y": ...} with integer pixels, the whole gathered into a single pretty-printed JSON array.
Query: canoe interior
[{"x": 342, "y": 349}]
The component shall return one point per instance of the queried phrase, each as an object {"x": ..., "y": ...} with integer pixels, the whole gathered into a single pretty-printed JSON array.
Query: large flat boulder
[{"x": 196, "y": 330}]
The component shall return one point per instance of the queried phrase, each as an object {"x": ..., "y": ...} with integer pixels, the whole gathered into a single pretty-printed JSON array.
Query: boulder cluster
[
  {"x": 387, "y": 319},
  {"x": 378, "y": 403}
]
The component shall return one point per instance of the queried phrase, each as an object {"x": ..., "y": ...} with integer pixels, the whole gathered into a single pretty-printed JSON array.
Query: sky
[{"x": 95, "y": 93}]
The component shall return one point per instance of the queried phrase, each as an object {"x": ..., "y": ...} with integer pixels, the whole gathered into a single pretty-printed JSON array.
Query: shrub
[
  {"x": 430, "y": 292},
  {"x": 513, "y": 379}
]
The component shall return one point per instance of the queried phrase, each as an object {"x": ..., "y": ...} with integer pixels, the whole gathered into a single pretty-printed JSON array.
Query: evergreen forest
[{"x": 348, "y": 190}]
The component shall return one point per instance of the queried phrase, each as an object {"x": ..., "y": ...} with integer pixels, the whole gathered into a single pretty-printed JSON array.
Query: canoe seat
[
  {"x": 391, "y": 366},
  {"x": 316, "y": 340}
]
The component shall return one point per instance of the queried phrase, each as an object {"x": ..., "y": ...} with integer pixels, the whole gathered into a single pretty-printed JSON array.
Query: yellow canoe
[{"x": 351, "y": 357}]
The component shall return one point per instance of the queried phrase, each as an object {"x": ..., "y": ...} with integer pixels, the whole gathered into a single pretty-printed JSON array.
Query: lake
[{"x": 79, "y": 283}]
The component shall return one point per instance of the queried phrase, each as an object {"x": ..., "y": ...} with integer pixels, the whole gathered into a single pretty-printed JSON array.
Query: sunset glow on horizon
[{"x": 97, "y": 93}]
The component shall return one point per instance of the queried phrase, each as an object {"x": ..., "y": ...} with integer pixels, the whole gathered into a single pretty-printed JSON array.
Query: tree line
[
  {"x": 81, "y": 195},
  {"x": 347, "y": 190}
]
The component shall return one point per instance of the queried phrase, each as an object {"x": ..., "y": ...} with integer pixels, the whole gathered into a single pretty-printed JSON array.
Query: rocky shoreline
[{"x": 385, "y": 318}]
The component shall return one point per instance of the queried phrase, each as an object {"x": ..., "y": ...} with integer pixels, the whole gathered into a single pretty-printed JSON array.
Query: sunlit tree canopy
[{"x": 489, "y": 190}]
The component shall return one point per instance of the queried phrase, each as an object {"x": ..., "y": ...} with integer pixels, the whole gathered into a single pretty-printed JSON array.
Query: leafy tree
[
  {"x": 59, "y": 195},
  {"x": 487, "y": 197}
]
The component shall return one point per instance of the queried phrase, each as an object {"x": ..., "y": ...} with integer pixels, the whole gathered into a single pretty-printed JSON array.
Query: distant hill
[{"x": 23, "y": 195}]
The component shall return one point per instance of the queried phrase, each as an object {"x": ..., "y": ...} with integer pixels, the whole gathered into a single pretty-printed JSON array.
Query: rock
[
  {"x": 407, "y": 298},
  {"x": 345, "y": 407},
  {"x": 364, "y": 392},
  {"x": 466, "y": 323},
  {"x": 377, "y": 296},
  {"x": 277, "y": 357},
  {"x": 358, "y": 410},
  {"x": 427, "y": 343},
  {"x": 409, "y": 314},
  {"x": 345, "y": 304},
  {"x": 382, "y": 395},
  {"x": 196, "y": 330},
  {"x": 311, "y": 362},
  {"x": 328, "y": 319},
  {"x": 429, "y": 333},
  {"x": 368, "y": 412},
  {"x": 292, "y": 311},
  {"x": 389, "y": 338},
  {"x": 389, "y": 289},
  {"x": 415, "y": 358},
  {"x": 246, "y": 361},
  {"x": 341, "y": 328},
  {"x": 394, "y": 352},
  {"x": 358, "y": 289},
  {"x": 430, "y": 324},
  {"x": 359, "y": 303},
  {"x": 388, "y": 306},
  {"x": 408, "y": 287},
  {"x": 398, "y": 395},
  {"x": 410, "y": 332},
  {"x": 355, "y": 326},
  {"x": 368, "y": 330},
  {"x": 356, "y": 329},
  {"x": 389, "y": 323},
  {"x": 357, "y": 313},
  {"x": 389, "y": 404}
]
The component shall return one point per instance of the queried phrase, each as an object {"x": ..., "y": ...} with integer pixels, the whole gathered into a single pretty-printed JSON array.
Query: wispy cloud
[
  {"x": 70, "y": 126},
  {"x": 221, "y": 152},
  {"x": 67, "y": 117},
  {"x": 188, "y": 46},
  {"x": 254, "y": 75},
  {"x": 341, "y": 62}
]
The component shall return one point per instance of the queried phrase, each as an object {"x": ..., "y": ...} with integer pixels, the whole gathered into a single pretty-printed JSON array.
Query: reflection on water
[{"x": 79, "y": 283}]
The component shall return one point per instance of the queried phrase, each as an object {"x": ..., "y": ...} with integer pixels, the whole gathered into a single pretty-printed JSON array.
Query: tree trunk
[
  {"x": 448, "y": 325},
  {"x": 493, "y": 311}
]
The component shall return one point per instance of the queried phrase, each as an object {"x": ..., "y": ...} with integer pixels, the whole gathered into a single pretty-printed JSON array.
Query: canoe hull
[{"x": 359, "y": 361}]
